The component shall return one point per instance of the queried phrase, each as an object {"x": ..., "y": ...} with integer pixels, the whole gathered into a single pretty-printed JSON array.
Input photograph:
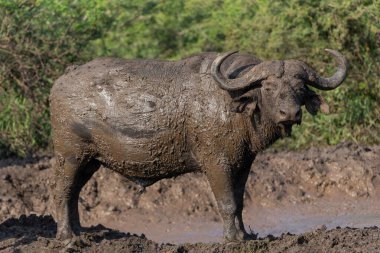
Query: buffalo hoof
[
  {"x": 240, "y": 237},
  {"x": 64, "y": 233},
  {"x": 234, "y": 239}
]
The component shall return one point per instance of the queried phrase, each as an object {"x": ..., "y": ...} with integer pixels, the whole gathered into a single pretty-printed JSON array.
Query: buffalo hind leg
[{"x": 71, "y": 176}]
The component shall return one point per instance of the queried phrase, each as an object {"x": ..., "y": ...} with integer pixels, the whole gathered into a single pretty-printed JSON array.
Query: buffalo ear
[{"x": 315, "y": 102}]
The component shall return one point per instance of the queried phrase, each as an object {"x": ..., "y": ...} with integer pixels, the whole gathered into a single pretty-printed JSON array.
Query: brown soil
[{"x": 308, "y": 193}]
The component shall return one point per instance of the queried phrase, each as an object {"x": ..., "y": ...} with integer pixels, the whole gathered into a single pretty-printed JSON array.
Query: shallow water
[
  {"x": 275, "y": 220},
  {"x": 302, "y": 218}
]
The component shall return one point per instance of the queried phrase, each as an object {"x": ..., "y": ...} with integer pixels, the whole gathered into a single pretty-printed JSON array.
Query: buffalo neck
[{"x": 262, "y": 132}]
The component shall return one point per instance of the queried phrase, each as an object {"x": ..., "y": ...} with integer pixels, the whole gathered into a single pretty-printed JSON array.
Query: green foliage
[
  {"x": 22, "y": 129},
  {"x": 38, "y": 39},
  {"x": 173, "y": 29}
]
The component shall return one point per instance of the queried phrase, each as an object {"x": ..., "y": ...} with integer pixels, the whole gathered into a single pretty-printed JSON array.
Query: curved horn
[
  {"x": 230, "y": 84},
  {"x": 334, "y": 81}
]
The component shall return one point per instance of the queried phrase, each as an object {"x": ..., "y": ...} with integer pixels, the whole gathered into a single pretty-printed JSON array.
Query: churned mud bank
[{"x": 294, "y": 202}]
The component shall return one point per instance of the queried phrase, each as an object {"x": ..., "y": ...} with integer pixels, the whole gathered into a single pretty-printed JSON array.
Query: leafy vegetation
[{"x": 38, "y": 39}]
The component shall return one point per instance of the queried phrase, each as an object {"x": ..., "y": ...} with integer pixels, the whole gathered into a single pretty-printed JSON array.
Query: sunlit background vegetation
[{"x": 39, "y": 39}]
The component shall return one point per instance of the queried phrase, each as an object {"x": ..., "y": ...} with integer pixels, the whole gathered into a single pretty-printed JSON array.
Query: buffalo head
[{"x": 276, "y": 90}]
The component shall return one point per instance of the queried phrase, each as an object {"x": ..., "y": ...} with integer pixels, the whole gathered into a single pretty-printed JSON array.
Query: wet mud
[{"x": 316, "y": 200}]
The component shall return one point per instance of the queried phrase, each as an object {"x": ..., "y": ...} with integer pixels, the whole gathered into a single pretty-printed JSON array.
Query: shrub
[{"x": 38, "y": 39}]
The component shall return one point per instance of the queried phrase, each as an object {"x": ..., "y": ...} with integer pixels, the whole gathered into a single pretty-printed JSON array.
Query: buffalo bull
[{"x": 151, "y": 119}]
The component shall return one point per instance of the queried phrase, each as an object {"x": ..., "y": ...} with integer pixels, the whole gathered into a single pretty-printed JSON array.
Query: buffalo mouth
[{"x": 285, "y": 128}]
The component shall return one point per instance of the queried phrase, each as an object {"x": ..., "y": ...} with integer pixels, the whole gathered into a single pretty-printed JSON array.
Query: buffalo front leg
[
  {"x": 239, "y": 189},
  {"x": 220, "y": 179},
  {"x": 71, "y": 175}
]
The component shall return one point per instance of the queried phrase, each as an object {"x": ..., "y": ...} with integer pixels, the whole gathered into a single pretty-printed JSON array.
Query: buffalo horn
[
  {"x": 334, "y": 81},
  {"x": 231, "y": 84}
]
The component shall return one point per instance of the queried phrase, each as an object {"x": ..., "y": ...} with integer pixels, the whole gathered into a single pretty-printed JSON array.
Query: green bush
[{"x": 38, "y": 39}]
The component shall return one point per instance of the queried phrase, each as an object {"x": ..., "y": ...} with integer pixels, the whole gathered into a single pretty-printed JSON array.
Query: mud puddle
[
  {"x": 281, "y": 219},
  {"x": 301, "y": 218}
]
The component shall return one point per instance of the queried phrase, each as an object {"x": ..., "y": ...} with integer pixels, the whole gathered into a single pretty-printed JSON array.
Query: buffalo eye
[{"x": 270, "y": 87}]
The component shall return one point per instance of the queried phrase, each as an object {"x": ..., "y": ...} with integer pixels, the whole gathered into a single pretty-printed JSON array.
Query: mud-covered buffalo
[{"x": 150, "y": 119}]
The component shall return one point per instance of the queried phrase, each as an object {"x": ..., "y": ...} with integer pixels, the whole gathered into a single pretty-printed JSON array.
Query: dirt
[{"x": 317, "y": 200}]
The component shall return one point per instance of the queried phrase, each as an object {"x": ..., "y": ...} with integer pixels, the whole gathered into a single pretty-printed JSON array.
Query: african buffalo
[{"x": 151, "y": 119}]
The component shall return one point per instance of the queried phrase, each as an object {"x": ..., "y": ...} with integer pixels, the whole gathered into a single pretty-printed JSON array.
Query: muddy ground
[{"x": 317, "y": 200}]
